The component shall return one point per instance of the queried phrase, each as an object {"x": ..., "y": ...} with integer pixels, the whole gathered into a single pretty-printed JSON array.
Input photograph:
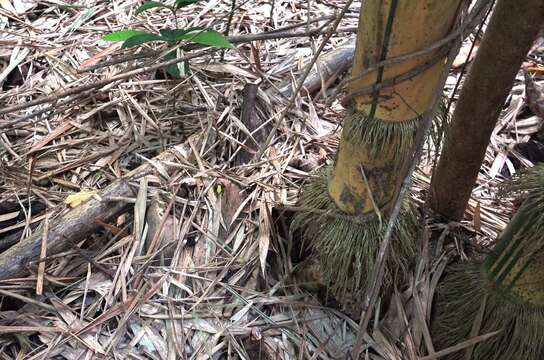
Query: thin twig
[
  {"x": 473, "y": 19},
  {"x": 302, "y": 78},
  {"x": 43, "y": 254},
  {"x": 426, "y": 204},
  {"x": 229, "y": 23},
  {"x": 374, "y": 88},
  {"x": 56, "y": 108},
  {"x": 271, "y": 16},
  {"x": 472, "y": 46},
  {"x": 285, "y": 35},
  {"x": 282, "y": 33},
  {"x": 140, "y": 70},
  {"x": 460, "y": 346},
  {"x": 372, "y": 292},
  {"x": 98, "y": 84}
]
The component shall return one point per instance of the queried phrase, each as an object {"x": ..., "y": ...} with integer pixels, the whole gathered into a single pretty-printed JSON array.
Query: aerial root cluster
[{"x": 347, "y": 248}]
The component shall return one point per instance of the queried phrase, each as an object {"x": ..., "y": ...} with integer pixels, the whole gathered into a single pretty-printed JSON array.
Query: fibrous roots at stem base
[
  {"x": 458, "y": 303},
  {"x": 510, "y": 280},
  {"x": 378, "y": 134},
  {"x": 347, "y": 246}
]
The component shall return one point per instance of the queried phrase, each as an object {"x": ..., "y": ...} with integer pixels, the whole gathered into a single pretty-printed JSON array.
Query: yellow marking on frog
[{"x": 218, "y": 188}]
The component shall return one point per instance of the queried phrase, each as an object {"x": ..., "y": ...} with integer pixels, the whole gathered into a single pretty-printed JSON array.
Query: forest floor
[{"x": 176, "y": 243}]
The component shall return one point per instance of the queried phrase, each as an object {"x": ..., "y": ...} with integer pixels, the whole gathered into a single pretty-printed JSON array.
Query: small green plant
[{"x": 197, "y": 35}]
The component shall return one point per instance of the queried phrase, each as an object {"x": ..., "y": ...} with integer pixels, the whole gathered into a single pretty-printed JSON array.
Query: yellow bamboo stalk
[
  {"x": 516, "y": 264},
  {"x": 366, "y": 178},
  {"x": 529, "y": 286}
]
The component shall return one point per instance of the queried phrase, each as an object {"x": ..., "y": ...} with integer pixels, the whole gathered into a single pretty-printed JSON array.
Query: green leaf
[
  {"x": 174, "y": 34},
  {"x": 122, "y": 35},
  {"x": 142, "y": 39},
  {"x": 183, "y": 3},
  {"x": 148, "y": 5},
  {"x": 207, "y": 37}
]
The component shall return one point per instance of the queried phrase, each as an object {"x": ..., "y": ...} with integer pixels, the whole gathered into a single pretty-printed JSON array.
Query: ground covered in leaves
[{"x": 197, "y": 260}]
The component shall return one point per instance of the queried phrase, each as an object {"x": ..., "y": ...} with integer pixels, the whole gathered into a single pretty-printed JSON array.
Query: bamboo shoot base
[
  {"x": 458, "y": 303},
  {"x": 346, "y": 246}
]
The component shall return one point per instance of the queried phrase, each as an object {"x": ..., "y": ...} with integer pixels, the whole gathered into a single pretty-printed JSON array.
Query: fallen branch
[
  {"x": 79, "y": 222},
  {"x": 332, "y": 65}
]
